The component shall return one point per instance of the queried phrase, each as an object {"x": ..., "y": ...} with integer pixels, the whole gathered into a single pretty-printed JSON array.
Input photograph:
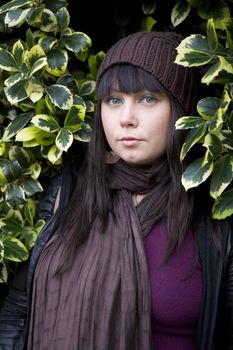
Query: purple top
[{"x": 176, "y": 291}]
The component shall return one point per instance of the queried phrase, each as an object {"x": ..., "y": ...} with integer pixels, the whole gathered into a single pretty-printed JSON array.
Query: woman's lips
[{"x": 129, "y": 141}]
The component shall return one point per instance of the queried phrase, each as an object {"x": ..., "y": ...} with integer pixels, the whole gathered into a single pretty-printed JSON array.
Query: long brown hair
[{"x": 92, "y": 198}]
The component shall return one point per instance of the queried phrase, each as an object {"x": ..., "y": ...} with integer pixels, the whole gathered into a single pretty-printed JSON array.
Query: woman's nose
[{"x": 129, "y": 116}]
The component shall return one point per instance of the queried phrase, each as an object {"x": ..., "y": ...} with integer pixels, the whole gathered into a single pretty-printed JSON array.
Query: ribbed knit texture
[{"x": 155, "y": 52}]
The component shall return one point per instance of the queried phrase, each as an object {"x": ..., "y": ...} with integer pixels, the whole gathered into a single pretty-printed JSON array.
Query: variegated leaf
[
  {"x": 222, "y": 175},
  {"x": 7, "y": 61},
  {"x": 13, "y": 79},
  {"x": 84, "y": 134},
  {"x": 34, "y": 54},
  {"x": 188, "y": 122},
  {"x": 45, "y": 122},
  {"x": 194, "y": 51},
  {"x": 196, "y": 173},
  {"x": 208, "y": 106},
  {"x": 11, "y": 169},
  {"x": 35, "y": 169},
  {"x": 15, "y": 196},
  {"x": 74, "y": 118},
  {"x": 180, "y": 12},
  {"x": 18, "y": 52},
  {"x": 14, "y": 4},
  {"x": 39, "y": 64},
  {"x": 48, "y": 21},
  {"x": 17, "y": 92},
  {"x": 223, "y": 64},
  {"x": 212, "y": 35},
  {"x": 3, "y": 269},
  {"x": 54, "y": 154},
  {"x": 47, "y": 43},
  {"x": 1, "y": 253},
  {"x": 223, "y": 206},
  {"x": 63, "y": 18},
  {"x": 57, "y": 62},
  {"x": 193, "y": 137},
  {"x": 31, "y": 186},
  {"x": 15, "y": 250},
  {"x": 87, "y": 88},
  {"x": 16, "y": 17},
  {"x": 60, "y": 96},
  {"x": 21, "y": 154},
  {"x": 213, "y": 144},
  {"x": 29, "y": 210},
  {"x": 64, "y": 139},
  {"x": 11, "y": 227},
  {"x": 16, "y": 125},
  {"x": 76, "y": 42},
  {"x": 34, "y": 91}
]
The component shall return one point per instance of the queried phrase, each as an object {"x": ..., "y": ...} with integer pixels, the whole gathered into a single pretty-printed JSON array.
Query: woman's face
[{"x": 136, "y": 125}]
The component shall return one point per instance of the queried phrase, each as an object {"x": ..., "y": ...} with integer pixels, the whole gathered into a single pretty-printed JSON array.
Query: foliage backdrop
[{"x": 47, "y": 100}]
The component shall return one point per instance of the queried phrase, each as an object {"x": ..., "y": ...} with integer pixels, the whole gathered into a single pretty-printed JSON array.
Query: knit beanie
[{"x": 155, "y": 52}]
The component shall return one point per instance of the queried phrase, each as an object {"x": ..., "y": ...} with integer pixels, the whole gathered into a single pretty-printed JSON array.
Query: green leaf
[
  {"x": 29, "y": 210},
  {"x": 14, "y": 4},
  {"x": 213, "y": 144},
  {"x": 17, "y": 92},
  {"x": 19, "y": 153},
  {"x": 15, "y": 250},
  {"x": 35, "y": 169},
  {"x": 33, "y": 16},
  {"x": 11, "y": 169},
  {"x": 64, "y": 139},
  {"x": 16, "y": 17},
  {"x": 60, "y": 96},
  {"x": 84, "y": 134},
  {"x": 16, "y": 125},
  {"x": 226, "y": 137},
  {"x": 48, "y": 21},
  {"x": 34, "y": 54},
  {"x": 223, "y": 206},
  {"x": 193, "y": 137},
  {"x": 87, "y": 88},
  {"x": 13, "y": 79},
  {"x": 63, "y": 18},
  {"x": 212, "y": 35},
  {"x": 222, "y": 176},
  {"x": 207, "y": 107},
  {"x": 47, "y": 43},
  {"x": 74, "y": 118},
  {"x": 188, "y": 122},
  {"x": 15, "y": 196},
  {"x": 196, "y": 173},
  {"x": 3, "y": 269},
  {"x": 34, "y": 91},
  {"x": 228, "y": 22},
  {"x": 223, "y": 64},
  {"x": 76, "y": 42},
  {"x": 31, "y": 133},
  {"x": 31, "y": 187},
  {"x": 57, "y": 62},
  {"x": 39, "y": 64},
  {"x": 7, "y": 61},
  {"x": 18, "y": 53},
  {"x": 1, "y": 257},
  {"x": 11, "y": 227},
  {"x": 180, "y": 12},
  {"x": 45, "y": 122},
  {"x": 194, "y": 51},
  {"x": 54, "y": 154}
]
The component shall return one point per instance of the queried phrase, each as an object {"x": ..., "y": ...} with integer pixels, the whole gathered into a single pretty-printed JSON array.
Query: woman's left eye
[{"x": 149, "y": 99}]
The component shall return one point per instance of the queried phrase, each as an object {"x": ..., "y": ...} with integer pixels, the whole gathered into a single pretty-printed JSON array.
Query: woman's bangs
[{"x": 128, "y": 79}]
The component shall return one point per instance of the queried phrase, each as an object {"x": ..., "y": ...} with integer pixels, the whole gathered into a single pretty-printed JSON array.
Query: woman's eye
[
  {"x": 149, "y": 99},
  {"x": 113, "y": 100}
]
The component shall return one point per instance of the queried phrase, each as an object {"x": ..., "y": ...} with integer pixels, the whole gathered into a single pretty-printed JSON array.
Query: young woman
[{"x": 129, "y": 260}]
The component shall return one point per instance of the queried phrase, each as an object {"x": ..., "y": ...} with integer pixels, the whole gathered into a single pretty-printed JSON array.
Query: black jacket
[{"x": 215, "y": 327}]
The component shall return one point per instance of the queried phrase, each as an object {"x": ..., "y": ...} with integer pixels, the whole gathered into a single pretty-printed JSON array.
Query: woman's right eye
[{"x": 113, "y": 100}]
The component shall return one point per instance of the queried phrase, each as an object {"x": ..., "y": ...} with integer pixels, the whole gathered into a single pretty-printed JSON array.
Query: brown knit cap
[{"x": 155, "y": 52}]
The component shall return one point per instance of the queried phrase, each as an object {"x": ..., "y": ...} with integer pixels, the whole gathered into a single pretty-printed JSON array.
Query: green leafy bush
[
  {"x": 213, "y": 128},
  {"x": 47, "y": 84}
]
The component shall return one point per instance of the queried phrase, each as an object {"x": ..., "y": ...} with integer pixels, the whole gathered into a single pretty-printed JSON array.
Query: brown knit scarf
[{"x": 103, "y": 301}]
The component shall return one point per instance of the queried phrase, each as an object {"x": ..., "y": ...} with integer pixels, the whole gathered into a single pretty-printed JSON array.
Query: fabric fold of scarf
[{"x": 103, "y": 302}]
